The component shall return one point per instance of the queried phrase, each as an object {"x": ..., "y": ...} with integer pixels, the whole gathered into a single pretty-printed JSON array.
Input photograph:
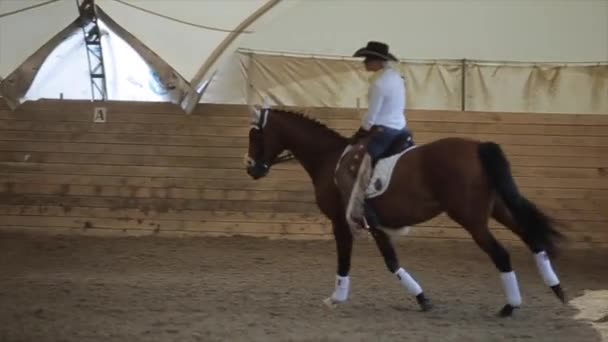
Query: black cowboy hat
[{"x": 375, "y": 50}]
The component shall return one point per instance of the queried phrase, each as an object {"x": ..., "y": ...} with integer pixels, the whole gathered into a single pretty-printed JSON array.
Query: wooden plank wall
[{"x": 151, "y": 169}]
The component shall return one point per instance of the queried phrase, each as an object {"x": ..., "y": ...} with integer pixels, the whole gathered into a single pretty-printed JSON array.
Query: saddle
[
  {"x": 400, "y": 144},
  {"x": 352, "y": 180}
]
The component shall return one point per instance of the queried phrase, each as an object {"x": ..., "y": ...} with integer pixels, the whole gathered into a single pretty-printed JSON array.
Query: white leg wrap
[
  {"x": 509, "y": 284},
  {"x": 544, "y": 267},
  {"x": 341, "y": 291},
  {"x": 406, "y": 280}
]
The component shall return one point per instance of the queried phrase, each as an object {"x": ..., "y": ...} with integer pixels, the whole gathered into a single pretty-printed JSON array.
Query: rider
[{"x": 384, "y": 120}]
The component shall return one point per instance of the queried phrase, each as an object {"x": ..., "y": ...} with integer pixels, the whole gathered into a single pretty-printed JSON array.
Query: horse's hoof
[
  {"x": 424, "y": 303},
  {"x": 331, "y": 303},
  {"x": 559, "y": 292},
  {"x": 507, "y": 310}
]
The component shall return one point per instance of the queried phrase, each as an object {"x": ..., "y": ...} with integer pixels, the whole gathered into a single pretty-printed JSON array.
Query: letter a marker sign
[{"x": 99, "y": 114}]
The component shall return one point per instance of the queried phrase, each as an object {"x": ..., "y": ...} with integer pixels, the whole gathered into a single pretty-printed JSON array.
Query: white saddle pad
[{"x": 382, "y": 174}]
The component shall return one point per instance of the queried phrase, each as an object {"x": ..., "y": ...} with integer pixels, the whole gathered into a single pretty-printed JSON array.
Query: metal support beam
[{"x": 92, "y": 39}]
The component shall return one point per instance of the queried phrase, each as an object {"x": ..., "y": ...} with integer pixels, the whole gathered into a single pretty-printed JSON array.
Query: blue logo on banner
[{"x": 157, "y": 85}]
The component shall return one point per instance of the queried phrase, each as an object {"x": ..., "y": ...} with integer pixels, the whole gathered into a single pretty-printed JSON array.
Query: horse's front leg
[
  {"x": 392, "y": 263},
  {"x": 344, "y": 247}
]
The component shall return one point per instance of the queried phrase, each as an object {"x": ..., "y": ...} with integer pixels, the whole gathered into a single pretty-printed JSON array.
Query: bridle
[{"x": 257, "y": 162}]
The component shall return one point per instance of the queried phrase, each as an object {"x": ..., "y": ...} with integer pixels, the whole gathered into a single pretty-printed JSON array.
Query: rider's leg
[
  {"x": 379, "y": 143},
  {"x": 380, "y": 140}
]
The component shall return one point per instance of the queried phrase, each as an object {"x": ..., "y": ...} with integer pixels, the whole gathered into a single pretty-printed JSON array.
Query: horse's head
[{"x": 264, "y": 143}]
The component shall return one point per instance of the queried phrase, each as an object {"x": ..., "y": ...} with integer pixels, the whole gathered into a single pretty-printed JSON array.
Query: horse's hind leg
[
  {"x": 543, "y": 263},
  {"x": 478, "y": 228},
  {"x": 502, "y": 261},
  {"x": 392, "y": 263}
]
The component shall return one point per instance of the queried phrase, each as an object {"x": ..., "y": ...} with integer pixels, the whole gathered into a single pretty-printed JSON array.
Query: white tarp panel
[
  {"x": 327, "y": 82},
  {"x": 23, "y": 33},
  {"x": 491, "y": 30},
  {"x": 306, "y": 81},
  {"x": 519, "y": 87}
]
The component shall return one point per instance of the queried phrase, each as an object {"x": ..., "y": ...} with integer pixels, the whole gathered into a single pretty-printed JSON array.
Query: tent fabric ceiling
[
  {"x": 23, "y": 33},
  {"x": 20, "y": 81},
  {"x": 415, "y": 29},
  {"x": 184, "y": 47},
  {"x": 492, "y": 30}
]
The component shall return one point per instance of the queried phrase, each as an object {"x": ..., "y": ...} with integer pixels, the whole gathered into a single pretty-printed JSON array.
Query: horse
[{"x": 467, "y": 179}]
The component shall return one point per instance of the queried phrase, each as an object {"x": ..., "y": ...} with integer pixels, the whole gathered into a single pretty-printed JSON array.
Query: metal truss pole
[{"x": 92, "y": 39}]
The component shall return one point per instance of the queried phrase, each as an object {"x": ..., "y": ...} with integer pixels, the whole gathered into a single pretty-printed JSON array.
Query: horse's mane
[{"x": 305, "y": 120}]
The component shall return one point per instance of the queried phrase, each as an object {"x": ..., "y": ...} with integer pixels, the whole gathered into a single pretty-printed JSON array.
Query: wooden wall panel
[{"x": 151, "y": 169}]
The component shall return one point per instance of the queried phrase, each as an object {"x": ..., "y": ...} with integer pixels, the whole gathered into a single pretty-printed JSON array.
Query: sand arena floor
[{"x": 80, "y": 288}]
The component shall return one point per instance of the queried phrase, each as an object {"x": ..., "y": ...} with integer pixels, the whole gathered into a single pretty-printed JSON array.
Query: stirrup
[
  {"x": 366, "y": 225},
  {"x": 369, "y": 214},
  {"x": 361, "y": 224}
]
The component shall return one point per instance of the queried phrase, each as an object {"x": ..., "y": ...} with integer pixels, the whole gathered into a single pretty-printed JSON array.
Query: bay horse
[{"x": 468, "y": 180}]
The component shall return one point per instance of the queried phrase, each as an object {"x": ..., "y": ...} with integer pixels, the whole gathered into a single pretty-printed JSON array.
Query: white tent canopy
[
  {"x": 212, "y": 43},
  {"x": 21, "y": 34},
  {"x": 493, "y": 30},
  {"x": 66, "y": 70},
  {"x": 185, "y": 47},
  {"x": 516, "y": 52}
]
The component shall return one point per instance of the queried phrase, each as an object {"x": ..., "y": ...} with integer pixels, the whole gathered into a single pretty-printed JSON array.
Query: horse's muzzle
[{"x": 257, "y": 171}]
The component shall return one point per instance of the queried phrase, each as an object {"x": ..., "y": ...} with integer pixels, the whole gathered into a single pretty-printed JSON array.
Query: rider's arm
[{"x": 373, "y": 108}]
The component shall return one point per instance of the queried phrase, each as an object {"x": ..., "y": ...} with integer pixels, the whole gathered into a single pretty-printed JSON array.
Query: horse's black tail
[{"x": 537, "y": 226}]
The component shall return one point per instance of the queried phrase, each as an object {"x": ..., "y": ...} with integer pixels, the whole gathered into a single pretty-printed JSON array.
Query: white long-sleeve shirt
[{"x": 387, "y": 100}]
